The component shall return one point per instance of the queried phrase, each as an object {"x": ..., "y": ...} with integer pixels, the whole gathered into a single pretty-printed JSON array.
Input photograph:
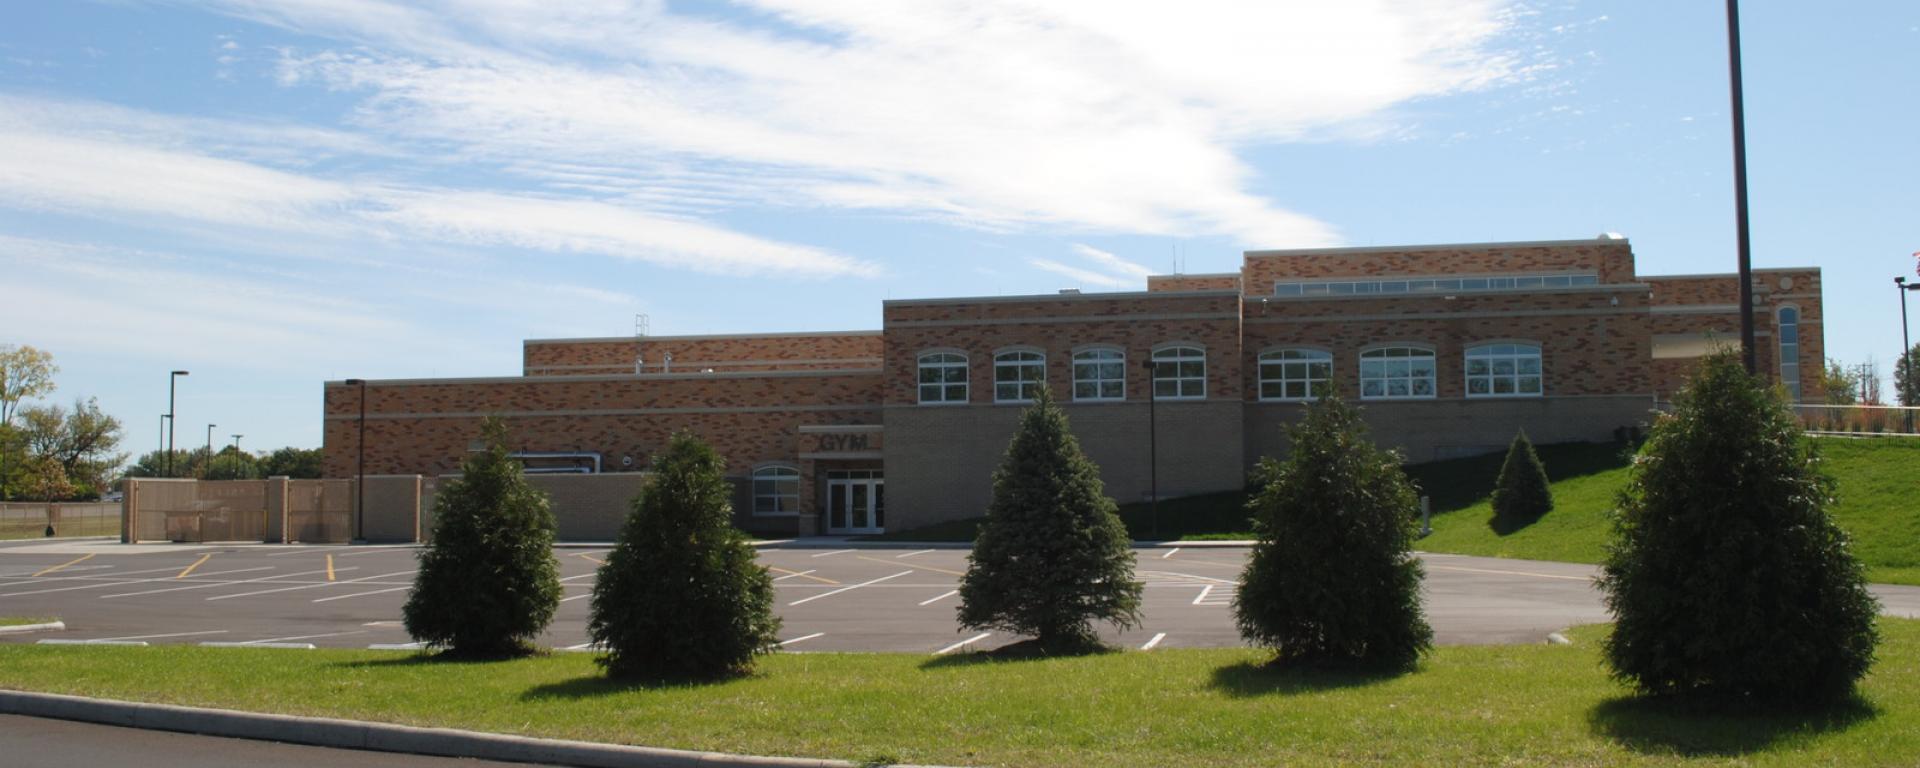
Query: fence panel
[
  {"x": 196, "y": 511},
  {"x": 20, "y": 520},
  {"x": 320, "y": 511}
]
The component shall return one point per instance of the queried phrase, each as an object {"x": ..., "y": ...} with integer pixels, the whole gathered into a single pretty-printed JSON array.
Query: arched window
[
  {"x": 1017, "y": 376},
  {"x": 1180, "y": 373},
  {"x": 776, "y": 491},
  {"x": 1099, "y": 374},
  {"x": 943, "y": 377},
  {"x": 1396, "y": 373},
  {"x": 1788, "y": 330},
  {"x": 1503, "y": 370},
  {"x": 1294, "y": 374}
]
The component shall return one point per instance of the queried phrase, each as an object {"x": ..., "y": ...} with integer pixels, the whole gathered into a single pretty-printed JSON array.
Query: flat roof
[
  {"x": 1356, "y": 250},
  {"x": 1075, "y": 296},
  {"x": 700, "y": 337}
]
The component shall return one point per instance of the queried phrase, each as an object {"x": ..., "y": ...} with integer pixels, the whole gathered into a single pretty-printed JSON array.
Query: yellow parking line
[
  {"x": 46, "y": 571},
  {"x": 801, "y": 575},
  {"x": 591, "y": 557},
  {"x": 912, "y": 565},
  {"x": 196, "y": 564},
  {"x": 329, "y": 567}
]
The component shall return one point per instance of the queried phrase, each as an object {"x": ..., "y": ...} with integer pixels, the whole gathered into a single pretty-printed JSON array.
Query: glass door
[{"x": 855, "y": 502}]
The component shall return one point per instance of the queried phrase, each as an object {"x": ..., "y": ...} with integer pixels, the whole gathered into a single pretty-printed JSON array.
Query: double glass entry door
[{"x": 856, "y": 502}]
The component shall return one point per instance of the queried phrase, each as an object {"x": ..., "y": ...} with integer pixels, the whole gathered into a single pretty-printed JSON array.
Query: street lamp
[
  {"x": 171, "y": 378},
  {"x": 360, "y": 469},
  {"x": 1905, "y": 360},
  {"x": 237, "y": 466},
  {"x": 1747, "y": 346},
  {"x": 1153, "y": 449},
  {"x": 206, "y": 470}
]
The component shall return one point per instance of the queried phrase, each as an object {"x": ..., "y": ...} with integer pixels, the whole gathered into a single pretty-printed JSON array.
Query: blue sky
[{"x": 273, "y": 193}]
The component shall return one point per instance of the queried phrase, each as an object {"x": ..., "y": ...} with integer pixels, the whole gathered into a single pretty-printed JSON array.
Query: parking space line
[
  {"x": 911, "y": 554},
  {"x": 963, "y": 644},
  {"x": 1204, "y": 591},
  {"x": 380, "y": 550},
  {"x": 80, "y": 559},
  {"x": 1170, "y": 553},
  {"x": 576, "y": 597},
  {"x": 396, "y": 646},
  {"x": 835, "y": 552},
  {"x": 579, "y": 577},
  {"x": 913, "y": 565},
  {"x": 126, "y": 582},
  {"x": 785, "y": 643},
  {"x": 330, "y": 582},
  {"x": 848, "y": 589},
  {"x": 1509, "y": 573},
  {"x": 361, "y": 594},
  {"x": 940, "y": 598},
  {"x": 329, "y": 567},
  {"x": 590, "y": 557},
  {"x": 806, "y": 573},
  {"x": 215, "y": 583},
  {"x": 303, "y": 637},
  {"x": 588, "y": 646},
  {"x": 196, "y": 564},
  {"x": 157, "y": 637},
  {"x": 112, "y": 581},
  {"x": 1209, "y": 579},
  {"x": 1155, "y": 641}
]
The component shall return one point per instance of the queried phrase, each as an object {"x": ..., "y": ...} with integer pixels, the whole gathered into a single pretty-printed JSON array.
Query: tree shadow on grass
[
  {"x": 1249, "y": 679},
  {"x": 1507, "y": 526},
  {"x": 442, "y": 658},
  {"x": 1662, "y": 726},
  {"x": 596, "y": 686},
  {"x": 1025, "y": 650}
]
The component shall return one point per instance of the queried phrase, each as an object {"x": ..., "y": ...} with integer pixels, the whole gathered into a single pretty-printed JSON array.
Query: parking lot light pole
[
  {"x": 171, "y": 378},
  {"x": 1153, "y": 451},
  {"x": 237, "y": 466},
  {"x": 206, "y": 469},
  {"x": 1906, "y": 345},
  {"x": 360, "y": 467}
]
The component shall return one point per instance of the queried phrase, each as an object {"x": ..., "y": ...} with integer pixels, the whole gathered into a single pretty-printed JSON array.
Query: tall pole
[
  {"x": 1902, "y": 365},
  {"x": 1747, "y": 345},
  {"x": 206, "y": 470},
  {"x": 237, "y": 466},
  {"x": 360, "y": 468},
  {"x": 171, "y": 420},
  {"x": 160, "y": 450},
  {"x": 1153, "y": 451}
]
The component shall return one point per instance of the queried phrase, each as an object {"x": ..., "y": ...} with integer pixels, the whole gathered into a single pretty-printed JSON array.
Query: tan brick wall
[
  {"x": 1773, "y": 290},
  {"x": 1430, "y": 430},
  {"x": 1221, "y": 282},
  {"x": 1612, "y": 259},
  {"x": 768, "y": 352}
]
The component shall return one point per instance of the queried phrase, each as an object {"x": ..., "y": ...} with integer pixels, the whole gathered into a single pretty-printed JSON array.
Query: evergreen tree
[
  {"x": 1521, "y": 495},
  {"x": 488, "y": 582},
  {"x": 1052, "y": 555},
  {"x": 1331, "y": 580},
  {"x": 1726, "y": 576},
  {"x": 680, "y": 595}
]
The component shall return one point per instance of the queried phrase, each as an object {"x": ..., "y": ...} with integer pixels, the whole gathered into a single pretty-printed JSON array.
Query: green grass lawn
[
  {"x": 21, "y": 621},
  {"x": 1511, "y": 705}
]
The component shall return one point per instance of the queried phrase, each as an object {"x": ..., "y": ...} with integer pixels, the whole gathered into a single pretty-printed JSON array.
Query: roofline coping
[
  {"x": 1366, "y": 249},
  {"x": 1039, "y": 297},
  {"x": 700, "y": 337},
  {"x": 1733, "y": 275},
  {"x": 1171, "y": 275},
  {"x": 823, "y": 372}
]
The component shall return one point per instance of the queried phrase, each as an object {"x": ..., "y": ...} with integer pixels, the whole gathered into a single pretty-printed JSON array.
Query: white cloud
[
  {"x": 1086, "y": 115},
  {"x": 1111, "y": 262},
  {"x": 1086, "y": 276}
]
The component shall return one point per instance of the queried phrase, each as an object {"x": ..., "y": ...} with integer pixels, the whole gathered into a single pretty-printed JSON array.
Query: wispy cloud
[
  {"x": 1086, "y": 276},
  {"x": 1111, "y": 262}
]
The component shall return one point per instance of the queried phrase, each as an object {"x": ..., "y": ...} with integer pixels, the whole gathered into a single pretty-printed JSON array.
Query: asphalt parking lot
[{"x": 832, "y": 599}]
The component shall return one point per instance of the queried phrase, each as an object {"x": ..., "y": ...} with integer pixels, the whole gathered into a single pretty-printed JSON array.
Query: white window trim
[
  {"x": 1466, "y": 358},
  {"x": 1260, "y": 380},
  {"x": 1073, "y": 374},
  {"x": 754, "y": 477},
  {"x": 1154, "y": 379},
  {"x": 997, "y": 365},
  {"x": 966, "y": 382},
  {"x": 1360, "y": 369}
]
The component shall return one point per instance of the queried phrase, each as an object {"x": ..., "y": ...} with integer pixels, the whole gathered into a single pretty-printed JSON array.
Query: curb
[
  {"x": 21, "y": 629},
  {"x": 798, "y": 544},
  {"x": 379, "y": 737}
]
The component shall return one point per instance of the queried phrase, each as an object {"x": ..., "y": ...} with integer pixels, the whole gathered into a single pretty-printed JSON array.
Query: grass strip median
[
  {"x": 23, "y": 621},
  {"x": 1543, "y": 704}
]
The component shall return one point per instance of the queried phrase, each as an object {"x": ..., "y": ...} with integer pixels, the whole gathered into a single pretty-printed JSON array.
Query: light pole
[
  {"x": 1902, "y": 364},
  {"x": 360, "y": 466},
  {"x": 160, "y": 451},
  {"x": 237, "y": 466},
  {"x": 1153, "y": 450},
  {"x": 1740, "y": 188},
  {"x": 171, "y": 421},
  {"x": 206, "y": 470}
]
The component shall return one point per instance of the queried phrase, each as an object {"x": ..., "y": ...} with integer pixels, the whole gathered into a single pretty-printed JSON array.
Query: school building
[{"x": 1448, "y": 349}]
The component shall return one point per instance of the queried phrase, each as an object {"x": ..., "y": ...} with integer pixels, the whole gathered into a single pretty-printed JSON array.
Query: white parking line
[
  {"x": 576, "y": 597},
  {"x": 1508, "y": 573},
  {"x": 157, "y": 637},
  {"x": 848, "y": 588},
  {"x": 785, "y": 643},
  {"x": 217, "y": 583},
  {"x": 791, "y": 575},
  {"x": 579, "y": 577},
  {"x": 396, "y": 646},
  {"x": 1155, "y": 641},
  {"x": 164, "y": 579},
  {"x": 1170, "y": 553},
  {"x": 963, "y": 644},
  {"x": 585, "y": 647},
  {"x": 940, "y": 598},
  {"x": 835, "y": 552},
  {"x": 311, "y": 586},
  {"x": 1208, "y": 579},
  {"x": 1204, "y": 591},
  {"x": 361, "y": 594},
  {"x": 111, "y": 581},
  {"x": 302, "y": 637},
  {"x": 911, "y": 554},
  {"x": 378, "y": 550}
]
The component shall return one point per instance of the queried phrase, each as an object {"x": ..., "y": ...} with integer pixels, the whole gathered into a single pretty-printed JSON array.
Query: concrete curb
[
  {"x": 809, "y": 544},
  {"x": 21, "y": 629},
  {"x": 380, "y": 737}
]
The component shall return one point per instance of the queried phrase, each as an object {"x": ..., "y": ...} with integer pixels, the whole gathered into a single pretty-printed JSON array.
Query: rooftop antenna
[{"x": 641, "y": 323}]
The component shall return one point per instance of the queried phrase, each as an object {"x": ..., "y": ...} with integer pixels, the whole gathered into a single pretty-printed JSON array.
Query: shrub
[
  {"x": 1052, "y": 555},
  {"x": 1726, "y": 575},
  {"x": 488, "y": 583},
  {"x": 1330, "y": 580},
  {"x": 1521, "y": 495},
  {"x": 680, "y": 595}
]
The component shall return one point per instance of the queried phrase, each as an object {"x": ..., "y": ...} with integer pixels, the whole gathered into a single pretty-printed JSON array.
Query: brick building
[{"x": 1449, "y": 349}]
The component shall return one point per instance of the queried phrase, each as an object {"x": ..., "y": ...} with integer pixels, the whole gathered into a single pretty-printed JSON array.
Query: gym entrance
[{"x": 856, "y": 501}]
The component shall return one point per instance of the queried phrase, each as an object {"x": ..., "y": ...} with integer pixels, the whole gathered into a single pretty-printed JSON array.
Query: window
[
  {"x": 1364, "y": 287},
  {"x": 1294, "y": 374},
  {"x": 943, "y": 377},
  {"x": 1179, "y": 373},
  {"x": 1789, "y": 331},
  {"x": 1017, "y": 376},
  {"x": 1100, "y": 374},
  {"x": 1503, "y": 370},
  {"x": 776, "y": 491},
  {"x": 1391, "y": 373}
]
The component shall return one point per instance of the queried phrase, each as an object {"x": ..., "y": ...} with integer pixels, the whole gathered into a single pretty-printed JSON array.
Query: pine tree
[
  {"x": 1727, "y": 577},
  {"x": 1521, "y": 495},
  {"x": 1052, "y": 556},
  {"x": 680, "y": 595},
  {"x": 1331, "y": 580},
  {"x": 488, "y": 583}
]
